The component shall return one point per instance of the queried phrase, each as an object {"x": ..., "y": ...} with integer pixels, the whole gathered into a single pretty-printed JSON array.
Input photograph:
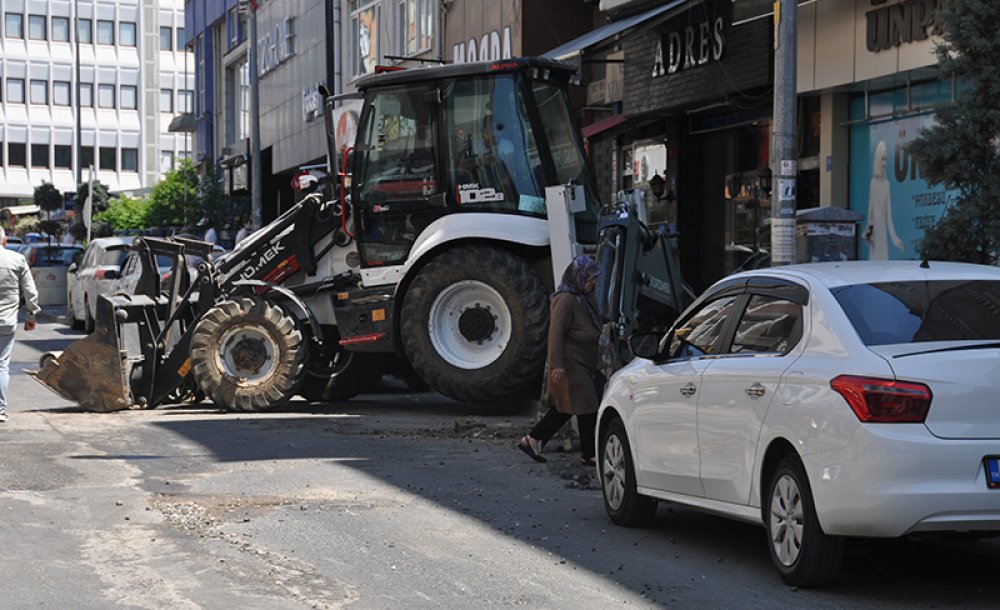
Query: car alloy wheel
[
  {"x": 613, "y": 472},
  {"x": 786, "y": 520}
]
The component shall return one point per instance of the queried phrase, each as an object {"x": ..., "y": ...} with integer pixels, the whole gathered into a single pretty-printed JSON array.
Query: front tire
[
  {"x": 622, "y": 500},
  {"x": 341, "y": 376},
  {"x": 88, "y": 320},
  {"x": 248, "y": 354},
  {"x": 474, "y": 324},
  {"x": 803, "y": 554}
]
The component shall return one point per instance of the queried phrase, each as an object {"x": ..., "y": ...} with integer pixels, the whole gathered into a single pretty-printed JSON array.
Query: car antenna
[{"x": 925, "y": 264}]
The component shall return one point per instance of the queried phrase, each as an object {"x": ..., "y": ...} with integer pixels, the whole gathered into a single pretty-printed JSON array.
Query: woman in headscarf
[{"x": 574, "y": 333}]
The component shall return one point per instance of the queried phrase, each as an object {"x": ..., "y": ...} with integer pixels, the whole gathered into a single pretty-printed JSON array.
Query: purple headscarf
[{"x": 574, "y": 281}]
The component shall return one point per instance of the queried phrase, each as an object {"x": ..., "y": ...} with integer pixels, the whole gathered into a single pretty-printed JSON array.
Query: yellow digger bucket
[{"x": 92, "y": 371}]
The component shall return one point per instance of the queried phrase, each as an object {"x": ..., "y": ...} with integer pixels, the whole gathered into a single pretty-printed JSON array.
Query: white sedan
[{"x": 821, "y": 401}]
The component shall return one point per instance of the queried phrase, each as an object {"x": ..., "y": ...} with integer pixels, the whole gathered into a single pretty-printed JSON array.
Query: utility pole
[
  {"x": 256, "y": 207},
  {"x": 784, "y": 154}
]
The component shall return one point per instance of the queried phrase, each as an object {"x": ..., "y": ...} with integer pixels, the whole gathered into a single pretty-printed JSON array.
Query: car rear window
[
  {"x": 889, "y": 313},
  {"x": 114, "y": 256},
  {"x": 52, "y": 257}
]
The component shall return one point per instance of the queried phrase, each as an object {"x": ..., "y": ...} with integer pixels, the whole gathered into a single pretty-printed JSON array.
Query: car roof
[
  {"x": 847, "y": 273},
  {"x": 110, "y": 242}
]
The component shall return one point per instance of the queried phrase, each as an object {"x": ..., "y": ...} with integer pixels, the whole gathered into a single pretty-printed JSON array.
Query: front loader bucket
[{"x": 91, "y": 371}]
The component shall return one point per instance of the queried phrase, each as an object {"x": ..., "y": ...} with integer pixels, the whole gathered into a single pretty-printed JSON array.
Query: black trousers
[{"x": 553, "y": 420}]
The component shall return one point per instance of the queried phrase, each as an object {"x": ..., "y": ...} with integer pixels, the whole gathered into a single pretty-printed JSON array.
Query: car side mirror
[
  {"x": 112, "y": 274},
  {"x": 645, "y": 345},
  {"x": 72, "y": 268}
]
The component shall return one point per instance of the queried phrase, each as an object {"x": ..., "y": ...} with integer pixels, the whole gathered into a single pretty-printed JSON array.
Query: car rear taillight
[{"x": 884, "y": 400}]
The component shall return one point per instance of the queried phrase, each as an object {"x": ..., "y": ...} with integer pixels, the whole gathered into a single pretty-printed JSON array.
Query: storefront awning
[
  {"x": 603, "y": 125},
  {"x": 607, "y": 31},
  {"x": 183, "y": 123}
]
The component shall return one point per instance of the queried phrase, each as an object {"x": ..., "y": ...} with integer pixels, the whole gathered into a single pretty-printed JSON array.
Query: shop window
[
  {"x": 13, "y": 25},
  {"x": 87, "y": 95},
  {"x": 166, "y": 38},
  {"x": 63, "y": 155},
  {"x": 364, "y": 37},
  {"x": 60, "y": 29},
  {"x": 129, "y": 94},
  {"x": 809, "y": 126},
  {"x": 126, "y": 33},
  {"x": 61, "y": 93},
  {"x": 39, "y": 92},
  {"x": 85, "y": 31},
  {"x": 36, "y": 27},
  {"x": 15, "y": 90},
  {"x": 106, "y": 96},
  {"x": 17, "y": 155},
  {"x": 39, "y": 155},
  {"x": 130, "y": 159},
  {"x": 108, "y": 158},
  {"x": 166, "y": 100},
  {"x": 105, "y": 32}
]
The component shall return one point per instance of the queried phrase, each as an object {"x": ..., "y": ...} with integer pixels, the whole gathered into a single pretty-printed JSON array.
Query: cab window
[{"x": 701, "y": 333}]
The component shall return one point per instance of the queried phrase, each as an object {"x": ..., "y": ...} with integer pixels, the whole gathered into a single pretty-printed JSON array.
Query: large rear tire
[
  {"x": 474, "y": 324},
  {"x": 248, "y": 355}
]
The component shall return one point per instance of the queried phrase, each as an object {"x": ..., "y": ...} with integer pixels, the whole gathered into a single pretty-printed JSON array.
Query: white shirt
[
  {"x": 242, "y": 234},
  {"x": 15, "y": 281},
  {"x": 211, "y": 236}
]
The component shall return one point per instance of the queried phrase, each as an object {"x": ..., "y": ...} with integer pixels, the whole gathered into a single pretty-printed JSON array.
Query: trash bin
[{"x": 826, "y": 233}]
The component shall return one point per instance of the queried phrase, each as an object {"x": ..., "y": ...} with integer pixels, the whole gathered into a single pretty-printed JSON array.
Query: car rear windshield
[
  {"x": 114, "y": 256},
  {"x": 889, "y": 313}
]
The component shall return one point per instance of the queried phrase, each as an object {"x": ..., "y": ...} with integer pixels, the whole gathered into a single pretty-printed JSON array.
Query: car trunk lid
[{"x": 964, "y": 378}]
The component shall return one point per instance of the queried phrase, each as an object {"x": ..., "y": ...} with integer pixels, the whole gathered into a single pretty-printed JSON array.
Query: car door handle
[
  {"x": 756, "y": 390},
  {"x": 688, "y": 390}
]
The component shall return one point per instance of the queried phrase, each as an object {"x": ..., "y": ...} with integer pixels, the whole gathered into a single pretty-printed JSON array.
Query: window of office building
[
  {"x": 166, "y": 38},
  {"x": 63, "y": 156},
  {"x": 39, "y": 155},
  {"x": 17, "y": 154},
  {"x": 87, "y": 95},
  {"x": 184, "y": 98},
  {"x": 130, "y": 159},
  {"x": 87, "y": 156},
  {"x": 238, "y": 101},
  {"x": 200, "y": 72},
  {"x": 166, "y": 100},
  {"x": 105, "y": 32},
  {"x": 129, "y": 94},
  {"x": 414, "y": 18},
  {"x": 15, "y": 90},
  {"x": 61, "y": 93},
  {"x": 364, "y": 36},
  {"x": 13, "y": 25},
  {"x": 1, "y": 153},
  {"x": 60, "y": 29},
  {"x": 126, "y": 33},
  {"x": 181, "y": 39},
  {"x": 36, "y": 27},
  {"x": 39, "y": 92},
  {"x": 106, "y": 96},
  {"x": 108, "y": 158},
  {"x": 85, "y": 31},
  {"x": 166, "y": 161}
]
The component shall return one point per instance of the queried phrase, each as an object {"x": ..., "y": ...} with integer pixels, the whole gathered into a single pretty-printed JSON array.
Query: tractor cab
[{"x": 483, "y": 137}]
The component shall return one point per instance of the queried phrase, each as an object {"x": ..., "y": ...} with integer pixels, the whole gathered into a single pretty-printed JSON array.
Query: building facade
[{"x": 90, "y": 83}]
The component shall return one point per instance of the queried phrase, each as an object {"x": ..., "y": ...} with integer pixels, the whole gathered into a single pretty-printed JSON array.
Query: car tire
[
  {"x": 476, "y": 332},
  {"x": 804, "y": 555},
  {"x": 622, "y": 500},
  {"x": 88, "y": 320},
  {"x": 248, "y": 354}
]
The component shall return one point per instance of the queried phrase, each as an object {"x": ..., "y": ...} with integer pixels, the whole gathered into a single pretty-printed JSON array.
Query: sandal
[{"x": 525, "y": 446}]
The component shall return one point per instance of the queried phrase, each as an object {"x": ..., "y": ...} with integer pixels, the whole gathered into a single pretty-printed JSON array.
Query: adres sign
[
  {"x": 689, "y": 47},
  {"x": 491, "y": 47}
]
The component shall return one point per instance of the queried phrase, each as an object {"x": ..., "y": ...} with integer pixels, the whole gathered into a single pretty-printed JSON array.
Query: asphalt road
[{"x": 392, "y": 500}]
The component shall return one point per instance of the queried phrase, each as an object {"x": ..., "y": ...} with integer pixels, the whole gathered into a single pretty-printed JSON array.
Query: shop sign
[
  {"x": 276, "y": 46},
  {"x": 694, "y": 45},
  {"x": 492, "y": 46},
  {"x": 890, "y": 26},
  {"x": 312, "y": 103}
]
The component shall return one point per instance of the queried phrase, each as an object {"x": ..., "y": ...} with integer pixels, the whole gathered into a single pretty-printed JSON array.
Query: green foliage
[
  {"x": 26, "y": 225},
  {"x": 78, "y": 230},
  {"x": 962, "y": 150},
  {"x": 174, "y": 200},
  {"x": 48, "y": 227},
  {"x": 101, "y": 197},
  {"x": 48, "y": 197},
  {"x": 126, "y": 213}
]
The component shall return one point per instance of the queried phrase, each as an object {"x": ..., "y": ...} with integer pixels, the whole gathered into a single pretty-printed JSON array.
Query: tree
[
  {"x": 48, "y": 198},
  {"x": 125, "y": 213},
  {"x": 961, "y": 151},
  {"x": 101, "y": 197},
  {"x": 174, "y": 200}
]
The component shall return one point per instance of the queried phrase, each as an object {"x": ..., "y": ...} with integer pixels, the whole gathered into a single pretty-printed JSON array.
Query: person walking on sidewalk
[
  {"x": 15, "y": 282},
  {"x": 574, "y": 334}
]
